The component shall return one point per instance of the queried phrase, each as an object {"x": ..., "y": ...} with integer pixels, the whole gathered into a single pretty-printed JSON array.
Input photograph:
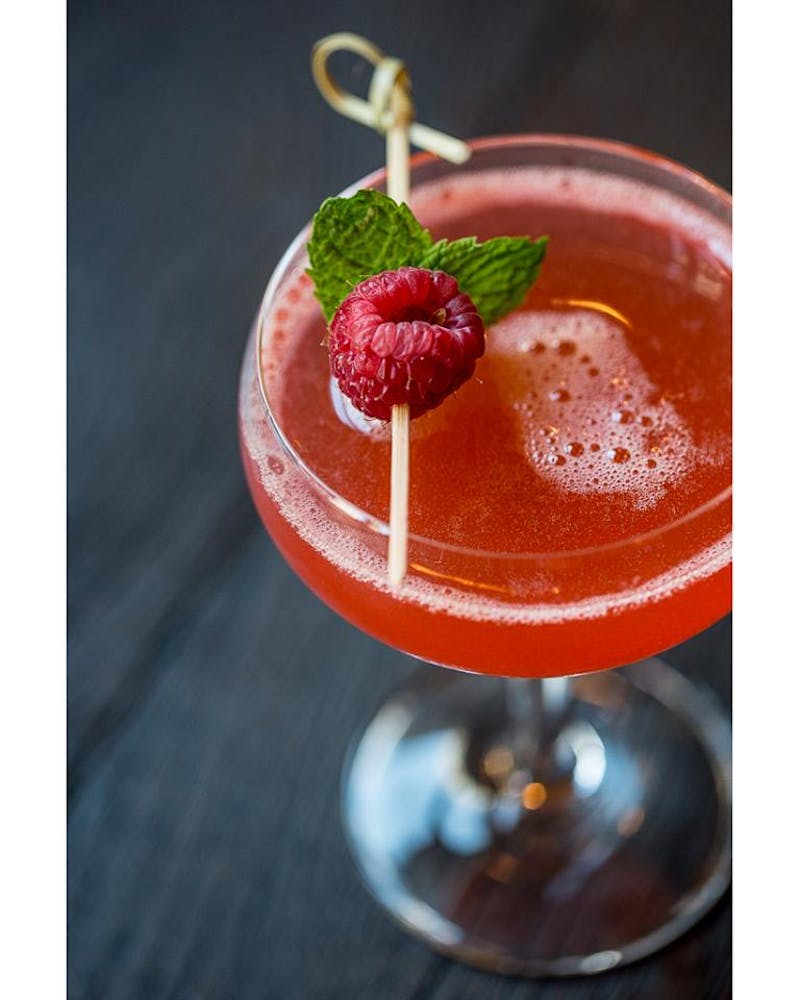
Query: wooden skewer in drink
[{"x": 389, "y": 109}]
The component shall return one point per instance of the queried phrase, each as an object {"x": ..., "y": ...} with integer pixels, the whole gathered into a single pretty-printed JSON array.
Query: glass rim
[{"x": 377, "y": 525}]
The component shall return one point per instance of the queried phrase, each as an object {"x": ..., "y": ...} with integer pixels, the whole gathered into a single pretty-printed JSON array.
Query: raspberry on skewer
[{"x": 404, "y": 336}]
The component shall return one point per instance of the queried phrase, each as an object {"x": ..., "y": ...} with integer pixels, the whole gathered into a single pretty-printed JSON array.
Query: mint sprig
[{"x": 354, "y": 238}]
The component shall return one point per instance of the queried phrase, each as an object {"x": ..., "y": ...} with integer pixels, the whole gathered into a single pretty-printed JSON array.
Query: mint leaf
[
  {"x": 496, "y": 274},
  {"x": 354, "y": 238}
]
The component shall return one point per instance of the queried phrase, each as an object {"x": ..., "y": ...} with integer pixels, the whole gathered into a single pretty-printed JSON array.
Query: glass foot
[{"x": 555, "y": 827}]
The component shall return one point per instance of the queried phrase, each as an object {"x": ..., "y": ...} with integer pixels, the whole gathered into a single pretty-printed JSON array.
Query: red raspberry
[{"x": 406, "y": 336}]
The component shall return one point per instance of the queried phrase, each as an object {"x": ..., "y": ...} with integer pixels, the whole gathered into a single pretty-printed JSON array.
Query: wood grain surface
[{"x": 211, "y": 697}]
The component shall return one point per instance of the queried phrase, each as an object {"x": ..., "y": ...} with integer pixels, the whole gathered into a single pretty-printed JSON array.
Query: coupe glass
[{"x": 556, "y": 817}]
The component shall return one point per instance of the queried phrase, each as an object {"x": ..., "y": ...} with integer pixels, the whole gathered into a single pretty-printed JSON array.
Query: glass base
[{"x": 570, "y": 843}]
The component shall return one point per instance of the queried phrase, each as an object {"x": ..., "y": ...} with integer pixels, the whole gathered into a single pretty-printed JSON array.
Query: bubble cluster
[{"x": 599, "y": 429}]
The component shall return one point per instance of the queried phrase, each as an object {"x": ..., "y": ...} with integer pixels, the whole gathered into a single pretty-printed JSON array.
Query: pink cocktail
[{"x": 570, "y": 511}]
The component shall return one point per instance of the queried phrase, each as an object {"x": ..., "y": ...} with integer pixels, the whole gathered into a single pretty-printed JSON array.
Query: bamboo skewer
[
  {"x": 400, "y": 490},
  {"x": 390, "y": 110},
  {"x": 397, "y": 156}
]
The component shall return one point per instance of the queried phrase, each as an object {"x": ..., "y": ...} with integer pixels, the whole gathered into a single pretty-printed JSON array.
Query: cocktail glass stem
[{"x": 537, "y": 709}]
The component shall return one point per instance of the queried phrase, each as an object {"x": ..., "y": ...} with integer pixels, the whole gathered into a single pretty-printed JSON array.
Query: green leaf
[
  {"x": 354, "y": 238},
  {"x": 496, "y": 274}
]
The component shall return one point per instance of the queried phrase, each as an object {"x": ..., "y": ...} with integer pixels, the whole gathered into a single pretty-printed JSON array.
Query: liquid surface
[{"x": 601, "y": 409}]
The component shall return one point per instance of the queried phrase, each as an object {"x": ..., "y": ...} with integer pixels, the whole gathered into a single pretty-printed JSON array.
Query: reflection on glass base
[{"x": 575, "y": 834}]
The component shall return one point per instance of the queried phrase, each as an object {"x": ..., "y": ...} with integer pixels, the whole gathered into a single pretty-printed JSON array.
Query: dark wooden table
[{"x": 211, "y": 697}]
